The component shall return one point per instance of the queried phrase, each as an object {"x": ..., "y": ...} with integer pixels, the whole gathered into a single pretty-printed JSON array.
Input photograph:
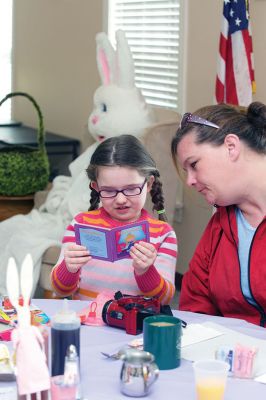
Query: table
[
  {"x": 13, "y": 205},
  {"x": 56, "y": 145},
  {"x": 100, "y": 376},
  {"x": 25, "y": 135}
]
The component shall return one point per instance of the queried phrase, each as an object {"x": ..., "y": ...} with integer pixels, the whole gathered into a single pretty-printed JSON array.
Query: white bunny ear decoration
[
  {"x": 105, "y": 59},
  {"x": 12, "y": 282},
  {"x": 125, "y": 62},
  {"x": 26, "y": 278}
]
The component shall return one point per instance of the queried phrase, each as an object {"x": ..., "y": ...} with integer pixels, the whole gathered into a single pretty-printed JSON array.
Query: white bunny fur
[
  {"x": 26, "y": 282},
  {"x": 119, "y": 107}
]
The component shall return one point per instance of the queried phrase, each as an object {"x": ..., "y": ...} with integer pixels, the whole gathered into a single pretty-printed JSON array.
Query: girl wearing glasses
[
  {"x": 222, "y": 150},
  {"x": 121, "y": 173}
]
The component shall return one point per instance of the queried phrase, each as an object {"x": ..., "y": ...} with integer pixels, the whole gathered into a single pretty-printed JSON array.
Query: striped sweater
[{"x": 104, "y": 276}]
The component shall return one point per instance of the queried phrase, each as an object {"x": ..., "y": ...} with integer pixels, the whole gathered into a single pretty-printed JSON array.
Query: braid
[
  {"x": 94, "y": 201},
  {"x": 157, "y": 197}
]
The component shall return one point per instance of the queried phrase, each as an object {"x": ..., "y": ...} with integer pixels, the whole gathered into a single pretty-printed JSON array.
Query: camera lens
[{"x": 104, "y": 311}]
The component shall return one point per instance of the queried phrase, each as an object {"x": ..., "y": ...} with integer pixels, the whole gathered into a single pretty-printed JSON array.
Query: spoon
[{"x": 114, "y": 356}]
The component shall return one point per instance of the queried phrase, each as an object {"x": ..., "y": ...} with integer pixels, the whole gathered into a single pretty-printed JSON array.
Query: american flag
[{"x": 235, "y": 80}]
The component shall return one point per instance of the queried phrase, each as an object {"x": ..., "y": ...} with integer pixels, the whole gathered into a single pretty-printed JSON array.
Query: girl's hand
[
  {"x": 143, "y": 254},
  {"x": 75, "y": 257}
]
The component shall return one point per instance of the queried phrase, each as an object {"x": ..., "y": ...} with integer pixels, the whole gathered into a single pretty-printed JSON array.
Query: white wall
[{"x": 55, "y": 61}]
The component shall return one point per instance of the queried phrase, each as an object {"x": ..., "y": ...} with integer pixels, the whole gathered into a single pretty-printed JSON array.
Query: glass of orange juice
[{"x": 210, "y": 377}]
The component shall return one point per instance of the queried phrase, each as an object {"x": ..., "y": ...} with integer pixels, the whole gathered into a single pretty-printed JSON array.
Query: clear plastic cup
[
  {"x": 60, "y": 391},
  {"x": 210, "y": 378}
]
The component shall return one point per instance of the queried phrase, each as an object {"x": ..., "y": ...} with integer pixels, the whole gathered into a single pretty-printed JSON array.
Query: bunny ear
[
  {"x": 125, "y": 62},
  {"x": 26, "y": 278},
  {"x": 12, "y": 282},
  {"x": 105, "y": 59}
]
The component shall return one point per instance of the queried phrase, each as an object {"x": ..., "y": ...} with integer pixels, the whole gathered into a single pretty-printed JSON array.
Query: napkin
[
  {"x": 195, "y": 333},
  {"x": 261, "y": 378}
]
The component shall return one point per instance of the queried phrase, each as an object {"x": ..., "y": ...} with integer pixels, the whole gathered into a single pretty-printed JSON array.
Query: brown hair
[{"x": 249, "y": 124}]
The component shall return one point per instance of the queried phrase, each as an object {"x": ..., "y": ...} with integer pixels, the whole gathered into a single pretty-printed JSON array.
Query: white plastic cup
[{"x": 210, "y": 378}]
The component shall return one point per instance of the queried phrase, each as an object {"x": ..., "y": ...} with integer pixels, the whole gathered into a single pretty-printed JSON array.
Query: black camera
[{"x": 128, "y": 312}]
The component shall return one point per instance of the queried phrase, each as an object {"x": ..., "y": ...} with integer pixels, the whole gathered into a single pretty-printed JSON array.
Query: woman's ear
[
  {"x": 232, "y": 144},
  {"x": 150, "y": 183}
]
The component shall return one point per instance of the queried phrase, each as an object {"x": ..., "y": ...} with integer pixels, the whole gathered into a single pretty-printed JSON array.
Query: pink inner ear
[{"x": 105, "y": 68}]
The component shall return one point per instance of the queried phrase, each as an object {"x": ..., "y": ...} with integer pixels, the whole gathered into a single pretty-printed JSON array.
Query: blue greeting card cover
[{"x": 111, "y": 244}]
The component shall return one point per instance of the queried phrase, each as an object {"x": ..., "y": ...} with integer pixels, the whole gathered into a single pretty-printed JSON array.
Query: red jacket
[{"x": 212, "y": 283}]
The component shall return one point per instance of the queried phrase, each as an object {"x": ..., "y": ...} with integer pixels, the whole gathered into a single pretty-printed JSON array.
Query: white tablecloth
[{"x": 100, "y": 376}]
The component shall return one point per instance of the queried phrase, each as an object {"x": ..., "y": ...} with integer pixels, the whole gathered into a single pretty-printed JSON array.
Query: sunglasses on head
[{"x": 188, "y": 118}]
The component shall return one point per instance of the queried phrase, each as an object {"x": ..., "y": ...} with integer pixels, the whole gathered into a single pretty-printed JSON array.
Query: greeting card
[{"x": 111, "y": 244}]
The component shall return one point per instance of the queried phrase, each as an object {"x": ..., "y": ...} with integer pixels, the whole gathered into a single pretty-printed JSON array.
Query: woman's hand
[
  {"x": 75, "y": 257},
  {"x": 143, "y": 254}
]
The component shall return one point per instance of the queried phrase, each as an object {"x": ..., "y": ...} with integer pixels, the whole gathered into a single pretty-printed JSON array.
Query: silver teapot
[{"x": 138, "y": 372}]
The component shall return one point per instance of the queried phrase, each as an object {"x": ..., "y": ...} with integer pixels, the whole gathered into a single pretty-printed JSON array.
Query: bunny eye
[{"x": 104, "y": 107}]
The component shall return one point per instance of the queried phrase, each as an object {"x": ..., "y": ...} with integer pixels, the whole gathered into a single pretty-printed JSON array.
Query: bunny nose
[{"x": 95, "y": 119}]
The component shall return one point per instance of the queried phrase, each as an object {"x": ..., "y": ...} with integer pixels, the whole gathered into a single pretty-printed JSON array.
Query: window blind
[
  {"x": 152, "y": 28},
  {"x": 5, "y": 56}
]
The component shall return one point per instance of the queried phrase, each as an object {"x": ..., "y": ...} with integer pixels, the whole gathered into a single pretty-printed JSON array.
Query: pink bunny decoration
[{"x": 31, "y": 365}]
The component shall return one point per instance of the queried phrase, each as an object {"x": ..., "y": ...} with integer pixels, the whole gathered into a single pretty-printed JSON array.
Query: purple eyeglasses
[{"x": 188, "y": 117}]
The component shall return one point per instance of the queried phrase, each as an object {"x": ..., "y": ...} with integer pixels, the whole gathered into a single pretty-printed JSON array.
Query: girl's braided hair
[{"x": 126, "y": 151}]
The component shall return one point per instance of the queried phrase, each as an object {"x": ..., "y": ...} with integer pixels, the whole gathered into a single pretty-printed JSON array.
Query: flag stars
[
  {"x": 226, "y": 2},
  {"x": 231, "y": 13},
  {"x": 238, "y": 21}
]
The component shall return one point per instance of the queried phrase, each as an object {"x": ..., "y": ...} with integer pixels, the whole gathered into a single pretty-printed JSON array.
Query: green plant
[{"x": 23, "y": 169}]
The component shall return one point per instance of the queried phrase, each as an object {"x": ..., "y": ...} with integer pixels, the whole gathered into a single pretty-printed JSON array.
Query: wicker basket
[{"x": 23, "y": 169}]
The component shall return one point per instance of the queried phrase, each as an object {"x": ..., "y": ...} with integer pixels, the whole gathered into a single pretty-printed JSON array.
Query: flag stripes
[{"x": 235, "y": 80}]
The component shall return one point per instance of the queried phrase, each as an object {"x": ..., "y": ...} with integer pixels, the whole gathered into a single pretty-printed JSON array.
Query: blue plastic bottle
[{"x": 65, "y": 331}]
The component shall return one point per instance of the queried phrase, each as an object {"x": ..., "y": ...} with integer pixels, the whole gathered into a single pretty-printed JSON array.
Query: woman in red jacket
[{"x": 223, "y": 152}]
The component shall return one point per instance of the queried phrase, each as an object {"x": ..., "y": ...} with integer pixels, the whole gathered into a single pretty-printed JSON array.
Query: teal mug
[{"x": 162, "y": 337}]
